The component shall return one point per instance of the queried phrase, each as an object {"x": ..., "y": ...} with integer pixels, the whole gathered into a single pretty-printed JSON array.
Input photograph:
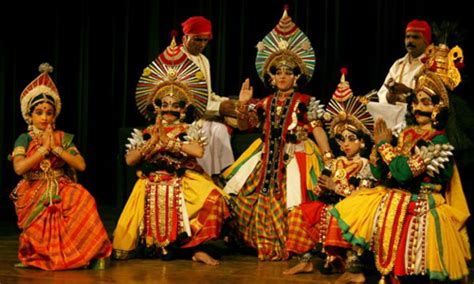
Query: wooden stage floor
[{"x": 233, "y": 268}]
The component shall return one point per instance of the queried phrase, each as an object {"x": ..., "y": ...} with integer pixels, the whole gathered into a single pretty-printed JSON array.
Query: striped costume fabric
[{"x": 65, "y": 235}]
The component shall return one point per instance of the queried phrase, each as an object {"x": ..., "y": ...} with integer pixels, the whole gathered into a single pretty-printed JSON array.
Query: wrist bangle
[
  {"x": 57, "y": 151},
  {"x": 174, "y": 146},
  {"x": 328, "y": 155}
]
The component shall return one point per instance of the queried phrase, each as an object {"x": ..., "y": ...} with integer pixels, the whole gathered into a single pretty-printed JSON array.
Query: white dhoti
[{"x": 218, "y": 152}]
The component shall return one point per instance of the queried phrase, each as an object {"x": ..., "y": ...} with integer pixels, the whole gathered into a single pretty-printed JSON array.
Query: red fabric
[
  {"x": 197, "y": 25},
  {"x": 313, "y": 219},
  {"x": 422, "y": 27},
  {"x": 208, "y": 224},
  {"x": 334, "y": 239},
  {"x": 301, "y": 160},
  {"x": 69, "y": 236},
  {"x": 298, "y": 239},
  {"x": 312, "y": 212}
]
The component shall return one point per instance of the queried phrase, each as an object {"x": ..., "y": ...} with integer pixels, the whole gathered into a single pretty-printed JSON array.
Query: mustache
[
  {"x": 175, "y": 113},
  {"x": 411, "y": 45},
  {"x": 422, "y": 113}
]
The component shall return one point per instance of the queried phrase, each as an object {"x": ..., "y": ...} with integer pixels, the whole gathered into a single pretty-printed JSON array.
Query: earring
[
  {"x": 30, "y": 123},
  {"x": 434, "y": 121},
  {"x": 272, "y": 80},
  {"x": 362, "y": 146},
  {"x": 295, "y": 83},
  {"x": 182, "y": 116}
]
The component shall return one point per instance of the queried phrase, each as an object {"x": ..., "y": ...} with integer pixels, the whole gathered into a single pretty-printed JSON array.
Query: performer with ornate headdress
[
  {"x": 174, "y": 204},
  {"x": 350, "y": 125},
  {"x": 415, "y": 222},
  {"x": 279, "y": 171},
  {"x": 61, "y": 228}
]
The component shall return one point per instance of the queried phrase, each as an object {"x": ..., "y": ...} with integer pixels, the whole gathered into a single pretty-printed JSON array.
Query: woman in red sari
[{"x": 61, "y": 228}]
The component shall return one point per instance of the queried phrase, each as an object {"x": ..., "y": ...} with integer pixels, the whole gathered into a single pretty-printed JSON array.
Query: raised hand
[
  {"x": 382, "y": 132},
  {"x": 246, "y": 92}
]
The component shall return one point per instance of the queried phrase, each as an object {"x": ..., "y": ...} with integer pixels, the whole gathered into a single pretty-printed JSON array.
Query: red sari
[{"x": 61, "y": 228}]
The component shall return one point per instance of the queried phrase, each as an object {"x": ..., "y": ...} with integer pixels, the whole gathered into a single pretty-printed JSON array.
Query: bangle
[
  {"x": 241, "y": 109},
  {"x": 328, "y": 155},
  {"x": 57, "y": 151},
  {"x": 144, "y": 149},
  {"x": 386, "y": 151},
  {"x": 177, "y": 146},
  {"x": 174, "y": 146},
  {"x": 43, "y": 151},
  {"x": 316, "y": 123}
]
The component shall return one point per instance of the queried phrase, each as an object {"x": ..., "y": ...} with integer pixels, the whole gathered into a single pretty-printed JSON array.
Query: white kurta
[
  {"x": 218, "y": 153},
  {"x": 402, "y": 71}
]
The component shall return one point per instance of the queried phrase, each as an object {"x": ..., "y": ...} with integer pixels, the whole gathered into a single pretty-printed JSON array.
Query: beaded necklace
[{"x": 275, "y": 144}]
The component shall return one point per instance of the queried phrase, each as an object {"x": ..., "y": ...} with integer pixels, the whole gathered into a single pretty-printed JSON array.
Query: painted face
[
  {"x": 349, "y": 143},
  {"x": 170, "y": 109},
  {"x": 196, "y": 44},
  {"x": 42, "y": 115},
  {"x": 422, "y": 107},
  {"x": 284, "y": 78},
  {"x": 414, "y": 43}
]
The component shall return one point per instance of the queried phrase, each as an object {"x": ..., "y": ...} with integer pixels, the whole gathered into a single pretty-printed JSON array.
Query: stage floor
[{"x": 232, "y": 269}]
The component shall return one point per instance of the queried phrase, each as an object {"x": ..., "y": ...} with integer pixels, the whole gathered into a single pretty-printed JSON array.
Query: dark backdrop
[{"x": 99, "y": 49}]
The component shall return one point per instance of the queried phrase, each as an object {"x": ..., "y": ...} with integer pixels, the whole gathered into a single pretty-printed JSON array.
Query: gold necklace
[{"x": 36, "y": 133}]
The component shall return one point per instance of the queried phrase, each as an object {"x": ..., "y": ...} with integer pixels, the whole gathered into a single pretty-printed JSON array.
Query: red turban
[
  {"x": 422, "y": 27},
  {"x": 197, "y": 25}
]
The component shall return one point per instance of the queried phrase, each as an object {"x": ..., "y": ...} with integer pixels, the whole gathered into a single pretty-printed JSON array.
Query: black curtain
[{"x": 99, "y": 49}]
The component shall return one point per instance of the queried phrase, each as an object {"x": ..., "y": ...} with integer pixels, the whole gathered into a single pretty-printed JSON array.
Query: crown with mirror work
[
  {"x": 286, "y": 45},
  {"x": 347, "y": 112},
  {"x": 171, "y": 74},
  {"x": 440, "y": 72}
]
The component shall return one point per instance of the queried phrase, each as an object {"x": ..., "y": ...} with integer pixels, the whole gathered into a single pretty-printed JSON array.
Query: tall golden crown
[{"x": 445, "y": 62}]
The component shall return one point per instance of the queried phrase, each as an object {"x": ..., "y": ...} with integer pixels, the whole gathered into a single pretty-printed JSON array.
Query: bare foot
[
  {"x": 203, "y": 257},
  {"x": 349, "y": 277},
  {"x": 302, "y": 267}
]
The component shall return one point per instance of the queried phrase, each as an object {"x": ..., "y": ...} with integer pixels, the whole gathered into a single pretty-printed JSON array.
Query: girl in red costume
[
  {"x": 279, "y": 171},
  {"x": 61, "y": 228}
]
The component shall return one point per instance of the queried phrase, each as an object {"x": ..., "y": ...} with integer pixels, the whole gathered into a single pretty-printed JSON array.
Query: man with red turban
[
  {"x": 400, "y": 79},
  {"x": 218, "y": 154}
]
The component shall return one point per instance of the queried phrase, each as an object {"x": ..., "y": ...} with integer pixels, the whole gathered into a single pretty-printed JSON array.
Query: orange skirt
[{"x": 65, "y": 235}]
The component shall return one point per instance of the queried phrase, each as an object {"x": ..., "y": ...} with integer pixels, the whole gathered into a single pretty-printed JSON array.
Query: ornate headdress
[
  {"x": 445, "y": 63},
  {"x": 286, "y": 45},
  {"x": 439, "y": 74},
  {"x": 41, "y": 89},
  {"x": 171, "y": 74},
  {"x": 345, "y": 111}
]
